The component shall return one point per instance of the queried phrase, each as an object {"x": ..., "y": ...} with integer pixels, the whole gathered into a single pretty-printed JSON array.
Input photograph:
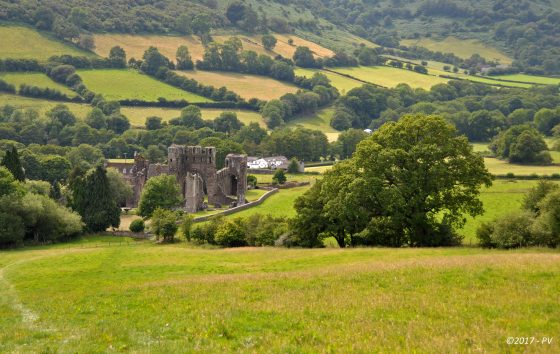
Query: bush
[
  {"x": 231, "y": 234},
  {"x": 279, "y": 177},
  {"x": 137, "y": 225},
  {"x": 252, "y": 181},
  {"x": 511, "y": 231},
  {"x": 164, "y": 224}
]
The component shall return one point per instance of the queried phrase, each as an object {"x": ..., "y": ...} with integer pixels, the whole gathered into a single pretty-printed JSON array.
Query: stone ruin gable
[
  {"x": 232, "y": 179},
  {"x": 157, "y": 169},
  {"x": 137, "y": 178},
  {"x": 194, "y": 194}
]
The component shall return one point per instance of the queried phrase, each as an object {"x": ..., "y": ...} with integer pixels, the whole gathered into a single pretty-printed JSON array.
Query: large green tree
[
  {"x": 410, "y": 183},
  {"x": 159, "y": 192}
]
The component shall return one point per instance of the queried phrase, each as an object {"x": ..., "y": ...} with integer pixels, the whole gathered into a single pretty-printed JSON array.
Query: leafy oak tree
[{"x": 410, "y": 183}]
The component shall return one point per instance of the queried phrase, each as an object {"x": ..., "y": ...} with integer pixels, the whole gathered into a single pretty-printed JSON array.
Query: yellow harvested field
[
  {"x": 245, "y": 85},
  {"x": 463, "y": 48},
  {"x": 136, "y": 45}
]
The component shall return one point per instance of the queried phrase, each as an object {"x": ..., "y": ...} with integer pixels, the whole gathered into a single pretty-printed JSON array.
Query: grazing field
[
  {"x": 502, "y": 198},
  {"x": 99, "y": 295},
  {"x": 318, "y": 121},
  {"x": 463, "y": 48},
  {"x": 35, "y": 79},
  {"x": 245, "y": 85},
  {"x": 530, "y": 79},
  {"x": 41, "y": 105},
  {"x": 20, "y": 42},
  {"x": 390, "y": 77},
  {"x": 116, "y": 84},
  {"x": 342, "y": 83},
  {"x": 138, "y": 115},
  {"x": 501, "y": 167},
  {"x": 287, "y": 50}
]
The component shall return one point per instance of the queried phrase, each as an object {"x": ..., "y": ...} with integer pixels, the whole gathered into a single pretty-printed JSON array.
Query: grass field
[
  {"x": 318, "y": 121},
  {"x": 116, "y": 84},
  {"x": 99, "y": 296},
  {"x": 247, "y": 86},
  {"x": 391, "y": 77},
  {"x": 35, "y": 79},
  {"x": 20, "y": 42},
  {"x": 42, "y": 106},
  {"x": 342, "y": 83},
  {"x": 279, "y": 204},
  {"x": 501, "y": 167},
  {"x": 530, "y": 79},
  {"x": 463, "y": 48}
]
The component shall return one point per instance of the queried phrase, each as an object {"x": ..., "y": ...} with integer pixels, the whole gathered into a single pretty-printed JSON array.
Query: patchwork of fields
[
  {"x": 116, "y": 84},
  {"x": 20, "y": 42},
  {"x": 245, "y": 85}
]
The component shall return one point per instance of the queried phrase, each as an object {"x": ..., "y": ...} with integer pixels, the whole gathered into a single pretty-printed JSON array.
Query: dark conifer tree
[
  {"x": 12, "y": 162},
  {"x": 94, "y": 201}
]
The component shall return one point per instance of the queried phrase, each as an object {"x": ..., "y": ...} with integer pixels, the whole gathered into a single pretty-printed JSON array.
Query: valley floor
[{"x": 100, "y": 294}]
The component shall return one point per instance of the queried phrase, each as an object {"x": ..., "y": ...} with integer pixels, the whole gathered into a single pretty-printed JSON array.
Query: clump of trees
[
  {"x": 410, "y": 183},
  {"x": 521, "y": 144},
  {"x": 537, "y": 224}
]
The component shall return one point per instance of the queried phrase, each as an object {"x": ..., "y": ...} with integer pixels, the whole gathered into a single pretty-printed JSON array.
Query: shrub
[
  {"x": 279, "y": 177},
  {"x": 186, "y": 226},
  {"x": 137, "y": 225},
  {"x": 252, "y": 181},
  {"x": 231, "y": 234},
  {"x": 164, "y": 224},
  {"x": 511, "y": 231}
]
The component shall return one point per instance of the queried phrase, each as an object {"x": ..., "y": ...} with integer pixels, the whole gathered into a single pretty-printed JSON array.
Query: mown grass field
[
  {"x": 35, "y": 79},
  {"x": 501, "y": 167},
  {"x": 99, "y": 296},
  {"x": 531, "y": 79},
  {"x": 116, "y": 84},
  {"x": 463, "y": 48},
  {"x": 42, "y": 106},
  {"x": 245, "y": 85},
  {"x": 391, "y": 77},
  {"x": 342, "y": 83},
  {"x": 321, "y": 120},
  {"x": 20, "y": 42}
]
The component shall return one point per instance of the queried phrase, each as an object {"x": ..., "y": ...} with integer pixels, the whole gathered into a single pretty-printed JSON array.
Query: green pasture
[
  {"x": 342, "y": 83},
  {"x": 390, "y": 77},
  {"x": 115, "y": 84},
  {"x": 18, "y": 42},
  {"x": 106, "y": 294},
  {"x": 463, "y": 48},
  {"x": 35, "y": 79},
  {"x": 42, "y": 105},
  {"x": 531, "y": 79},
  {"x": 320, "y": 120},
  {"x": 501, "y": 167}
]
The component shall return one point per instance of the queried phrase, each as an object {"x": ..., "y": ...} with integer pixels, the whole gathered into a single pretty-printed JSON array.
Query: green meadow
[
  {"x": 19, "y": 42},
  {"x": 390, "y": 77},
  {"x": 116, "y": 84},
  {"x": 35, "y": 79},
  {"x": 342, "y": 83},
  {"x": 100, "y": 294},
  {"x": 530, "y": 79},
  {"x": 42, "y": 105},
  {"x": 320, "y": 120}
]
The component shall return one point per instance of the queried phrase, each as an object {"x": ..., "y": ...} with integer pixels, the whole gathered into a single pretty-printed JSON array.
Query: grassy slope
[
  {"x": 531, "y": 79},
  {"x": 42, "y": 106},
  {"x": 318, "y": 121},
  {"x": 35, "y": 79},
  {"x": 391, "y": 77},
  {"x": 23, "y": 42},
  {"x": 99, "y": 296},
  {"x": 463, "y": 48},
  {"x": 138, "y": 115},
  {"x": 342, "y": 83},
  {"x": 247, "y": 86},
  {"x": 117, "y": 84}
]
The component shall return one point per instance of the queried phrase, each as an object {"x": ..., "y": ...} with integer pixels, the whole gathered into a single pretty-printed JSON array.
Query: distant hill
[{"x": 527, "y": 31}]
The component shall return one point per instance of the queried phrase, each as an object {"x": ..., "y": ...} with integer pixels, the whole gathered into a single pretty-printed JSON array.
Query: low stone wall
[
  {"x": 239, "y": 208},
  {"x": 138, "y": 235}
]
